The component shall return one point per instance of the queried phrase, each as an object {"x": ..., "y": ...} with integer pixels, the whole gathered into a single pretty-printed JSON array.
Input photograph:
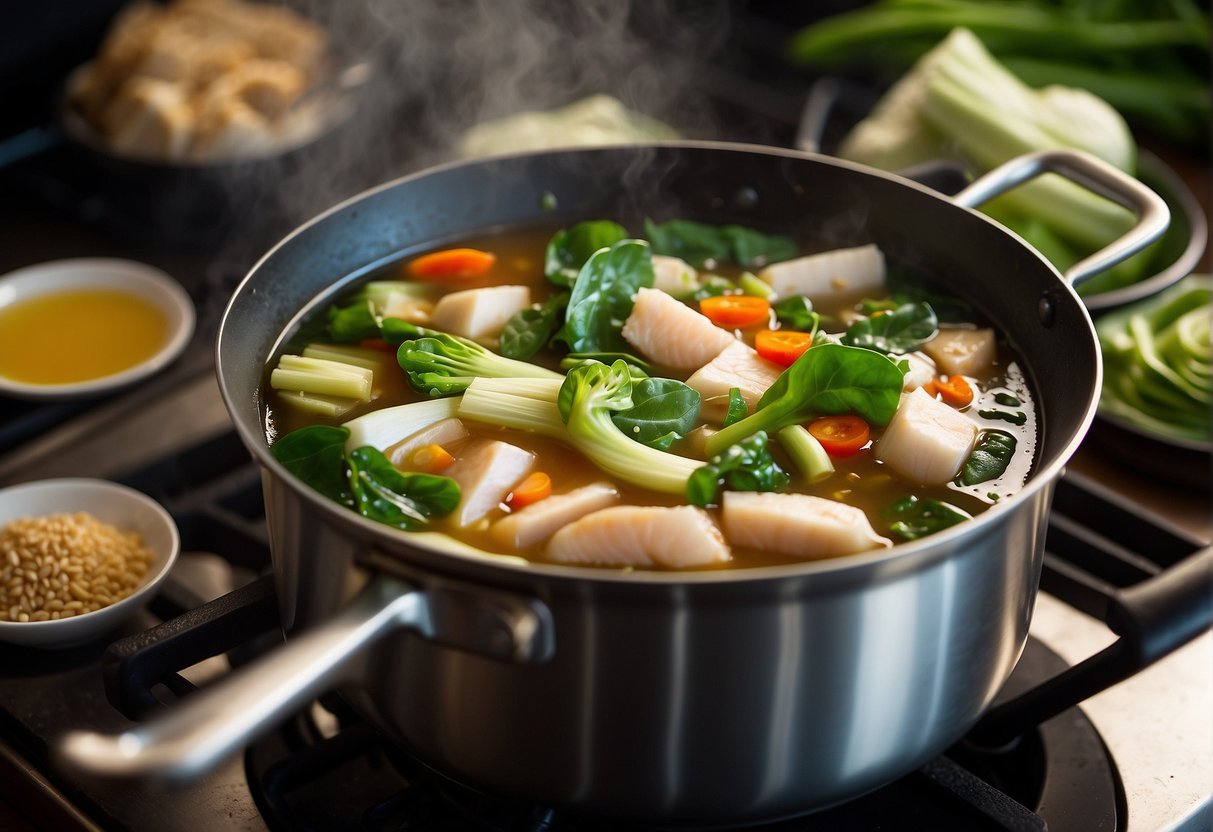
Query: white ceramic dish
[
  {"x": 110, "y": 502},
  {"x": 128, "y": 276}
]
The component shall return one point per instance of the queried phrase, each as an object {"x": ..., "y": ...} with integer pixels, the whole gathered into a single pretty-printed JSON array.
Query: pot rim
[{"x": 900, "y": 558}]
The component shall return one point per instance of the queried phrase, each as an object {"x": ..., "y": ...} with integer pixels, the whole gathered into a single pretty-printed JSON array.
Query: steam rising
[{"x": 438, "y": 68}]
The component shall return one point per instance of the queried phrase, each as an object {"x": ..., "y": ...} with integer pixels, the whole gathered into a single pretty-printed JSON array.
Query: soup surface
[
  {"x": 671, "y": 395},
  {"x": 78, "y": 335}
]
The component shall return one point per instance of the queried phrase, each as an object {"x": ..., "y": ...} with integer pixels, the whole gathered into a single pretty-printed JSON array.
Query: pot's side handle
[
  {"x": 1095, "y": 175},
  {"x": 200, "y": 732}
]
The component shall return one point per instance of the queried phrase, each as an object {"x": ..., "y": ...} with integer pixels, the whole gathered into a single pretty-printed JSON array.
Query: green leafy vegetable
[
  {"x": 570, "y": 248},
  {"x": 579, "y": 411},
  {"x": 746, "y": 466},
  {"x": 638, "y": 367},
  {"x": 827, "y": 379},
  {"x": 737, "y": 409},
  {"x": 911, "y": 517},
  {"x": 989, "y": 459},
  {"x": 1007, "y": 400},
  {"x": 441, "y": 364},
  {"x": 603, "y": 295},
  {"x": 699, "y": 243},
  {"x": 405, "y": 501},
  {"x": 316, "y": 455},
  {"x": 364, "y": 479},
  {"x": 903, "y": 330},
  {"x": 1017, "y": 417},
  {"x": 353, "y": 322},
  {"x": 663, "y": 410},
  {"x": 1148, "y": 60},
  {"x": 527, "y": 331},
  {"x": 1157, "y": 355},
  {"x": 797, "y": 313}
]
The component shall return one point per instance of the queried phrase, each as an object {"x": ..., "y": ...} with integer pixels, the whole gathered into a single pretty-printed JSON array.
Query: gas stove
[{"x": 1134, "y": 756}]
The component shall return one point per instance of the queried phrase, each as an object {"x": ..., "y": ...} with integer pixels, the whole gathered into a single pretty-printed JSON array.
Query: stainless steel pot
[{"x": 692, "y": 698}]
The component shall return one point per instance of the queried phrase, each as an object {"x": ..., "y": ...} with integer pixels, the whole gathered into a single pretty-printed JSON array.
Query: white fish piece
[
  {"x": 480, "y": 314},
  {"x": 671, "y": 333},
  {"x": 678, "y": 537},
  {"x": 444, "y": 432},
  {"x": 798, "y": 525},
  {"x": 839, "y": 276},
  {"x": 738, "y": 365},
  {"x": 922, "y": 369},
  {"x": 674, "y": 276},
  {"x": 926, "y": 441},
  {"x": 965, "y": 352},
  {"x": 486, "y": 472},
  {"x": 541, "y": 520}
]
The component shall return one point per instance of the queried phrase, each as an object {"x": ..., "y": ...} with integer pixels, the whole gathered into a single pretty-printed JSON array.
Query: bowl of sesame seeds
[{"x": 77, "y": 558}]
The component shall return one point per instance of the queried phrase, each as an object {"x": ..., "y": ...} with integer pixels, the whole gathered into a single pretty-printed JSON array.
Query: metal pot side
[{"x": 698, "y": 698}]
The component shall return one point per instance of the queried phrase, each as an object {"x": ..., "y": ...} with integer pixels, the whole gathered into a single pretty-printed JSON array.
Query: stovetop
[{"x": 1135, "y": 756}]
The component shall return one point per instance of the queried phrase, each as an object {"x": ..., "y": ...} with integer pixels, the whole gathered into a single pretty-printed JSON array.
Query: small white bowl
[
  {"x": 122, "y": 507},
  {"x": 140, "y": 279}
]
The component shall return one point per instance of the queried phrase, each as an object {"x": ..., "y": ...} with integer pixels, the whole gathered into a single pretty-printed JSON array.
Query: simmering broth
[{"x": 871, "y": 318}]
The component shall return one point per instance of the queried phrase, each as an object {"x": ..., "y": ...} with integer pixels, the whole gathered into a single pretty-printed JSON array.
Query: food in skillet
[
  {"x": 205, "y": 80},
  {"x": 700, "y": 397}
]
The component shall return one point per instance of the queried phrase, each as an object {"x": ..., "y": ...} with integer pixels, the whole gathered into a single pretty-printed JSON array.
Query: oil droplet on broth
[{"x": 80, "y": 335}]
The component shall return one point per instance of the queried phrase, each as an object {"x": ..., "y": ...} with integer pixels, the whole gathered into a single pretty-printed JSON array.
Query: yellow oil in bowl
[{"x": 78, "y": 335}]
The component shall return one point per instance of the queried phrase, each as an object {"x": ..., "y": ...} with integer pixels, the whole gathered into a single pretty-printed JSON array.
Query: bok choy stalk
[
  {"x": 440, "y": 364},
  {"x": 579, "y": 411},
  {"x": 959, "y": 101}
]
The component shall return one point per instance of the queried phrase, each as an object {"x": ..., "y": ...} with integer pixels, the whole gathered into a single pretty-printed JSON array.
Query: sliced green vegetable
[
  {"x": 352, "y": 322},
  {"x": 1017, "y": 417},
  {"x": 441, "y": 364},
  {"x": 989, "y": 459},
  {"x": 797, "y": 313},
  {"x": 638, "y": 367},
  {"x": 912, "y": 517},
  {"x": 1007, "y": 400},
  {"x": 737, "y": 409},
  {"x": 806, "y": 452}
]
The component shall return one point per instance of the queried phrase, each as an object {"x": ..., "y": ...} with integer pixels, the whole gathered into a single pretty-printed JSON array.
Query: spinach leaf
[
  {"x": 405, "y": 501},
  {"x": 711, "y": 286},
  {"x": 569, "y": 248},
  {"x": 746, "y": 466},
  {"x": 694, "y": 242},
  {"x": 989, "y": 458},
  {"x": 352, "y": 323},
  {"x": 903, "y": 330},
  {"x": 912, "y": 518},
  {"x": 797, "y": 313},
  {"x": 737, "y": 407},
  {"x": 1016, "y": 418},
  {"x": 827, "y": 379},
  {"x": 698, "y": 243},
  {"x": 527, "y": 331},
  {"x": 316, "y": 455},
  {"x": 637, "y": 367},
  {"x": 662, "y": 411},
  {"x": 753, "y": 248},
  {"x": 602, "y": 297}
]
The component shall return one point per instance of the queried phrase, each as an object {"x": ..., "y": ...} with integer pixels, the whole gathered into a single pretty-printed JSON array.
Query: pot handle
[
  {"x": 1153, "y": 619},
  {"x": 203, "y": 730},
  {"x": 1095, "y": 175}
]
